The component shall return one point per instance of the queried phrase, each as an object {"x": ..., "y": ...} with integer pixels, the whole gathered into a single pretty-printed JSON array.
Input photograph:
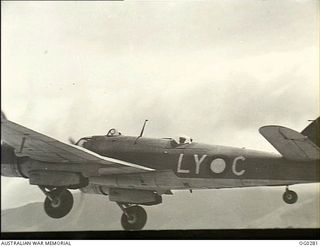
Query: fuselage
[{"x": 195, "y": 165}]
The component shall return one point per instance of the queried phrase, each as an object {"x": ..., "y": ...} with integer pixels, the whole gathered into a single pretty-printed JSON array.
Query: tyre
[
  {"x": 136, "y": 220},
  {"x": 290, "y": 197},
  {"x": 60, "y": 206}
]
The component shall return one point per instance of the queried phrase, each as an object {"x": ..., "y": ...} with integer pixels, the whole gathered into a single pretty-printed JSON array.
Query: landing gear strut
[
  {"x": 289, "y": 196},
  {"x": 58, "y": 202},
  {"x": 133, "y": 217}
]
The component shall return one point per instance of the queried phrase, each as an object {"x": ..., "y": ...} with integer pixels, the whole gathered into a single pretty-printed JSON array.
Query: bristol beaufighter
[{"x": 134, "y": 171}]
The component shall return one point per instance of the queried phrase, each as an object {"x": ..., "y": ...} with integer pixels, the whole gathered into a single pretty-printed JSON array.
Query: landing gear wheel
[
  {"x": 290, "y": 196},
  {"x": 59, "y": 204},
  {"x": 134, "y": 218}
]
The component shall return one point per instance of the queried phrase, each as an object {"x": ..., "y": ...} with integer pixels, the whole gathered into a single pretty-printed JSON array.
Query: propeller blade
[{"x": 71, "y": 140}]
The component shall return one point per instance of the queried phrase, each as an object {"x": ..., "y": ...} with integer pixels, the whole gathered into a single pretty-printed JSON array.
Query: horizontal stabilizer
[{"x": 290, "y": 143}]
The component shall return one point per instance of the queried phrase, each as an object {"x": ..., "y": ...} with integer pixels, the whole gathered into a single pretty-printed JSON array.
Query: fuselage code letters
[{"x": 217, "y": 165}]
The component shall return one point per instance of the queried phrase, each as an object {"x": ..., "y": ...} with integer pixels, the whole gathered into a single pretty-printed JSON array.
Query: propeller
[{"x": 71, "y": 141}]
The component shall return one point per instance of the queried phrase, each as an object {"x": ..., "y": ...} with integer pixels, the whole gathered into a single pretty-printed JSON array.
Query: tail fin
[{"x": 312, "y": 132}]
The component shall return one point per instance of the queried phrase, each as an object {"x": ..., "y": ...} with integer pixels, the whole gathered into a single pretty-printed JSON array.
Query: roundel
[{"x": 218, "y": 165}]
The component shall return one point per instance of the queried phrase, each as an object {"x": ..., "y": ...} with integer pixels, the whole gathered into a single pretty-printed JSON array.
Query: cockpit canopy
[
  {"x": 82, "y": 142},
  {"x": 183, "y": 139},
  {"x": 113, "y": 132}
]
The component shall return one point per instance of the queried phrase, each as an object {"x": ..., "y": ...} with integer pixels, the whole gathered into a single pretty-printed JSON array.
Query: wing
[
  {"x": 27, "y": 142},
  {"x": 290, "y": 143}
]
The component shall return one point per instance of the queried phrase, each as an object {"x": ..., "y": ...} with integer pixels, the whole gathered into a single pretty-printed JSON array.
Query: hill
[{"x": 215, "y": 209}]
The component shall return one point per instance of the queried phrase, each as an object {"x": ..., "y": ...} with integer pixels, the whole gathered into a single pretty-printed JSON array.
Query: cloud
[{"x": 216, "y": 71}]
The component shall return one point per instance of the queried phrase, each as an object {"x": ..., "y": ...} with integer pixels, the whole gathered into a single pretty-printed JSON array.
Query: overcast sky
[{"x": 215, "y": 70}]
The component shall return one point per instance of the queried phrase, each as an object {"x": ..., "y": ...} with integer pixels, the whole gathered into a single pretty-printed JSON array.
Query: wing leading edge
[{"x": 27, "y": 142}]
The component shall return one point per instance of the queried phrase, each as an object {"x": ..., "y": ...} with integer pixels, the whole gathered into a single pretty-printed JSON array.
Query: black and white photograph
[{"x": 150, "y": 116}]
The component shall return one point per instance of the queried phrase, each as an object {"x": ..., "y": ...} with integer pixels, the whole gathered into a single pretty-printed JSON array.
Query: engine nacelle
[
  {"x": 10, "y": 163},
  {"x": 37, "y": 172},
  {"x": 66, "y": 179}
]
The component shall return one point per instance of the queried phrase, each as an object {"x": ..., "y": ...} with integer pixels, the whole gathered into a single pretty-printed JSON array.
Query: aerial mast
[{"x": 142, "y": 130}]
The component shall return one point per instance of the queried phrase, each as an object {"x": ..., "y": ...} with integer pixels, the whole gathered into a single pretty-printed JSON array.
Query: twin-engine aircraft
[{"x": 134, "y": 171}]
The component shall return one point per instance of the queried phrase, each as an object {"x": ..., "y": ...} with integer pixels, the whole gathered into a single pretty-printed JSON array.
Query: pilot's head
[{"x": 113, "y": 132}]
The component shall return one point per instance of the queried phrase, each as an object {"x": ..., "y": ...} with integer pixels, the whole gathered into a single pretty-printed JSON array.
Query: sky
[{"x": 213, "y": 70}]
